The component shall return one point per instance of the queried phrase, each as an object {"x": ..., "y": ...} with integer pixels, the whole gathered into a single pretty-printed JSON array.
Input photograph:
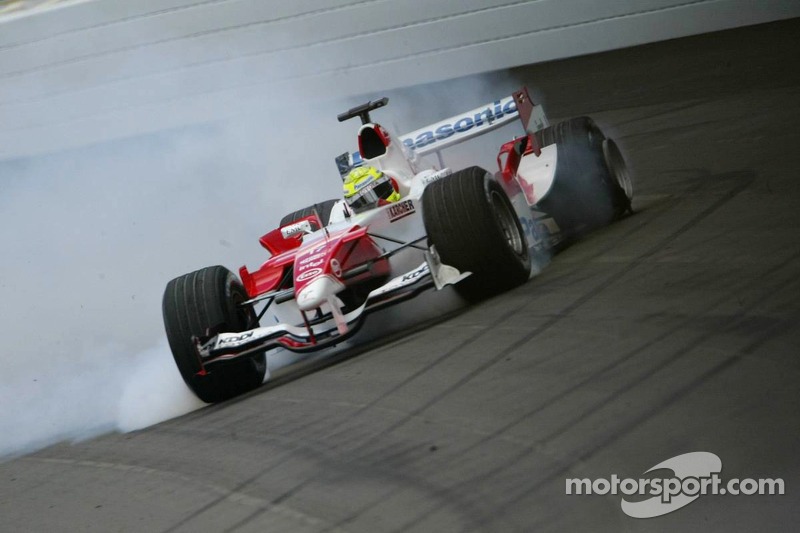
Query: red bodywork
[
  {"x": 508, "y": 165},
  {"x": 514, "y": 150},
  {"x": 335, "y": 254}
]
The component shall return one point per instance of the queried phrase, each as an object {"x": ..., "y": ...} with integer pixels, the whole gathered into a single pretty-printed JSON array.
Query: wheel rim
[
  {"x": 617, "y": 167},
  {"x": 508, "y": 224}
]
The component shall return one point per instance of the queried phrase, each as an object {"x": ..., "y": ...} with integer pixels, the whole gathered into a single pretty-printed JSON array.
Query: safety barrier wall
[{"x": 91, "y": 70}]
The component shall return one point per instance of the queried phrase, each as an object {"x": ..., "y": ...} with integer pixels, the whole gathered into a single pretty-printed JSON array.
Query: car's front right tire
[{"x": 472, "y": 224}]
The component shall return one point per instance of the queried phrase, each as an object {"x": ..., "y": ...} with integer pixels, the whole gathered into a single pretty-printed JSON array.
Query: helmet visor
[{"x": 368, "y": 197}]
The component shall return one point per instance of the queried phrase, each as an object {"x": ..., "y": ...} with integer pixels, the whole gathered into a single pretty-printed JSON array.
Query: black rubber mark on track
[
  {"x": 425, "y": 369},
  {"x": 217, "y": 501},
  {"x": 701, "y": 380},
  {"x": 600, "y": 287},
  {"x": 691, "y": 104},
  {"x": 745, "y": 178},
  {"x": 519, "y": 343},
  {"x": 672, "y": 398},
  {"x": 456, "y": 349}
]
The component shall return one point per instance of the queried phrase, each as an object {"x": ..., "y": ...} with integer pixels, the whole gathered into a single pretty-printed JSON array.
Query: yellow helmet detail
[
  {"x": 359, "y": 178},
  {"x": 365, "y": 188}
]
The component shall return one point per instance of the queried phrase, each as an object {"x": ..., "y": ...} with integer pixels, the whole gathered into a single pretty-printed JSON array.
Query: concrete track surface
[{"x": 674, "y": 330}]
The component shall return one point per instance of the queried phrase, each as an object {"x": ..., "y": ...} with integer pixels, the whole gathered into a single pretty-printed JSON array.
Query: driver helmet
[{"x": 367, "y": 187}]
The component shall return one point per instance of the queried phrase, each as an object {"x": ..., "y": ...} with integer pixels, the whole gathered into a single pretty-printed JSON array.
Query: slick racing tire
[
  {"x": 323, "y": 211},
  {"x": 587, "y": 190},
  {"x": 472, "y": 224},
  {"x": 208, "y": 300},
  {"x": 622, "y": 195}
]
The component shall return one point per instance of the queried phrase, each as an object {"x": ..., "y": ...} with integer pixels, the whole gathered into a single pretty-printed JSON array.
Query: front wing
[{"x": 225, "y": 347}]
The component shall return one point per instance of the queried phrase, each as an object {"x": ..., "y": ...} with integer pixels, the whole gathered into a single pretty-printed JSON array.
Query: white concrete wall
[{"x": 93, "y": 70}]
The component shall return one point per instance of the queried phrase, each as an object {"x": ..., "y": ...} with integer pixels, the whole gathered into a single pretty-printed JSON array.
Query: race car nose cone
[{"x": 317, "y": 292}]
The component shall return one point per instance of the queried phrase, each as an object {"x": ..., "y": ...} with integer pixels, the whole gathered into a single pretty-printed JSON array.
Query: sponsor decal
[
  {"x": 400, "y": 210},
  {"x": 692, "y": 475},
  {"x": 310, "y": 258},
  {"x": 479, "y": 118},
  {"x": 406, "y": 279},
  {"x": 462, "y": 126},
  {"x": 225, "y": 341},
  {"x": 311, "y": 264},
  {"x": 436, "y": 176},
  {"x": 304, "y": 226},
  {"x": 361, "y": 185},
  {"x": 308, "y": 274},
  {"x": 410, "y": 276}
]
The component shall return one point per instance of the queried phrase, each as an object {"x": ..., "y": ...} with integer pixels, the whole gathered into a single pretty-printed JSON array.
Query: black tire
[
  {"x": 323, "y": 210},
  {"x": 470, "y": 221},
  {"x": 585, "y": 193},
  {"x": 622, "y": 194},
  {"x": 203, "y": 300}
]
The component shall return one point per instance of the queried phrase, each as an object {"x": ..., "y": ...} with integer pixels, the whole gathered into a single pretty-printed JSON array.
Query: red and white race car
[{"x": 332, "y": 264}]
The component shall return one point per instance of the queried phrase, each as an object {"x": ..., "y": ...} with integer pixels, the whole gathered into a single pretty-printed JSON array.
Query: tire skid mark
[
  {"x": 698, "y": 184},
  {"x": 373, "y": 438},
  {"x": 663, "y": 209},
  {"x": 274, "y": 505},
  {"x": 631, "y": 354},
  {"x": 605, "y": 283},
  {"x": 540, "y": 445},
  {"x": 679, "y": 393},
  {"x": 333, "y": 464},
  {"x": 425, "y": 369},
  {"x": 733, "y": 325},
  {"x": 415, "y": 413},
  {"x": 287, "y": 436},
  {"x": 677, "y": 108},
  {"x": 735, "y": 191},
  {"x": 224, "y": 494},
  {"x": 338, "y": 466}
]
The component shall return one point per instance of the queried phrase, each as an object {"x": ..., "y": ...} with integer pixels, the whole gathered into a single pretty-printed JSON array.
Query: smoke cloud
[{"x": 91, "y": 236}]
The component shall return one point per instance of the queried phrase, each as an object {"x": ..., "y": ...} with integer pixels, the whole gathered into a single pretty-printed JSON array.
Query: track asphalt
[{"x": 672, "y": 331}]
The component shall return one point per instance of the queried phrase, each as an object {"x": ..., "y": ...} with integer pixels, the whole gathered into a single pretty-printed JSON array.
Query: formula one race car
[{"x": 404, "y": 227}]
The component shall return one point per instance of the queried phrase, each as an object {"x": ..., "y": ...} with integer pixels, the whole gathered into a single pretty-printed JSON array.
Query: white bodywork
[
  {"x": 398, "y": 230},
  {"x": 463, "y": 127},
  {"x": 536, "y": 174}
]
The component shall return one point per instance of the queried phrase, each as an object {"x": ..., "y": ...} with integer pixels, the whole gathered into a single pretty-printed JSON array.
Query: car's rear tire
[
  {"x": 472, "y": 224},
  {"x": 587, "y": 191},
  {"x": 622, "y": 194},
  {"x": 193, "y": 304},
  {"x": 323, "y": 210}
]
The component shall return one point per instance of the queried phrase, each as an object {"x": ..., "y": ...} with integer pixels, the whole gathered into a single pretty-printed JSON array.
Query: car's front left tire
[{"x": 208, "y": 299}]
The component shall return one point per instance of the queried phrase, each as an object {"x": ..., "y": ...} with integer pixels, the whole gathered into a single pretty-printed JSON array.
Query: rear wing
[
  {"x": 478, "y": 121},
  {"x": 457, "y": 129}
]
